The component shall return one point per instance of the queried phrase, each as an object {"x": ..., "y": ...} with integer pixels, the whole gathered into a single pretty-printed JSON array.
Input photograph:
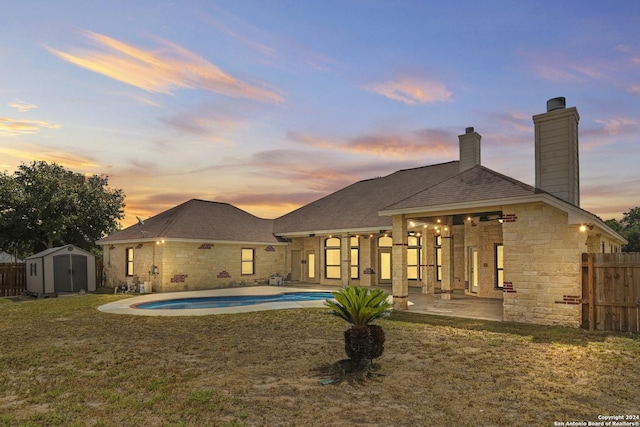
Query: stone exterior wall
[
  {"x": 542, "y": 254},
  {"x": 596, "y": 243},
  {"x": 193, "y": 265},
  {"x": 484, "y": 236},
  {"x": 459, "y": 252}
]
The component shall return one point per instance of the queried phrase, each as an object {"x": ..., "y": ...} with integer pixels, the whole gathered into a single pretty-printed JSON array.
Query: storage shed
[{"x": 58, "y": 270}]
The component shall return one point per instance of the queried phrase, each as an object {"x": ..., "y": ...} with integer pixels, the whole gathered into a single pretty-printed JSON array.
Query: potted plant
[{"x": 359, "y": 306}]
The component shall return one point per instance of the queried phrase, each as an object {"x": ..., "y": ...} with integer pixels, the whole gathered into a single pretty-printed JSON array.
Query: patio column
[
  {"x": 400, "y": 283},
  {"x": 367, "y": 260},
  {"x": 447, "y": 262},
  {"x": 345, "y": 265}
]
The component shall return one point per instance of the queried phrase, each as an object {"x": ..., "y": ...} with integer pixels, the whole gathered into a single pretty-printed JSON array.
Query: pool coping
[{"x": 125, "y": 306}]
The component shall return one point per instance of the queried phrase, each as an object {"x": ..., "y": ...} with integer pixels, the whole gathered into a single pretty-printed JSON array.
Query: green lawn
[{"x": 64, "y": 363}]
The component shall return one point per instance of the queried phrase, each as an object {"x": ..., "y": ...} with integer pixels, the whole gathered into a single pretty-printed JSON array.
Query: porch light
[{"x": 583, "y": 228}]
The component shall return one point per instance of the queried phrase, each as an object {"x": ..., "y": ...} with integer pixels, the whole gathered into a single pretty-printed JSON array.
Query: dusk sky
[{"x": 269, "y": 105}]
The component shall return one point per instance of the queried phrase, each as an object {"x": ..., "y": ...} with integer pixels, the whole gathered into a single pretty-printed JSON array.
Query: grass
[{"x": 66, "y": 364}]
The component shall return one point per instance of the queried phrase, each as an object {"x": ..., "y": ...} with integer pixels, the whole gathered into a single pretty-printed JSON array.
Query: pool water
[{"x": 231, "y": 301}]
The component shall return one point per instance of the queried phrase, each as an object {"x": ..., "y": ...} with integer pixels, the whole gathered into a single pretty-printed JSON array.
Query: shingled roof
[
  {"x": 357, "y": 206},
  {"x": 475, "y": 184},
  {"x": 200, "y": 220}
]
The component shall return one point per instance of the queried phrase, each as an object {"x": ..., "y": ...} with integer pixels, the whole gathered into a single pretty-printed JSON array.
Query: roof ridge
[
  {"x": 425, "y": 188},
  {"x": 524, "y": 185},
  {"x": 425, "y": 166},
  {"x": 182, "y": 207}
]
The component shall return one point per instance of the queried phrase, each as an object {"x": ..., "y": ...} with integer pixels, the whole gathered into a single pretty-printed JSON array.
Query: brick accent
[
  {"x": 368, "y": 270},
  {"x": 570, "y": 299},
  {"x": 269, "y": 249},
  {"x": 224, "y": 274},
  {"x": 179, "y": 278},
  {"x": 509, "y": 218},
  {"x": 206, "y": 246},
  {"x": 508, "y": 287}
]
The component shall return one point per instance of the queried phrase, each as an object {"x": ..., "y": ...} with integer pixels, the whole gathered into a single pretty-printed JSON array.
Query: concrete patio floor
[{"x": 460, "y": 305}]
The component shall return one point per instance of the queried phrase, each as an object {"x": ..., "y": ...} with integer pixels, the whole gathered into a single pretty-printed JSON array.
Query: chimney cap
[
  {"x": 470, "y": 129},
  {"x": 558, "y": 103}
]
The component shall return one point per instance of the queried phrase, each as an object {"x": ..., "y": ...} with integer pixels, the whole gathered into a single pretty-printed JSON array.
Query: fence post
[{"x": 590, "y": 285}]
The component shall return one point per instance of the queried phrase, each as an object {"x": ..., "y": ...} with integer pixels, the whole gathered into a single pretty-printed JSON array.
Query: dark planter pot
[{"x": 364, "y": 342}]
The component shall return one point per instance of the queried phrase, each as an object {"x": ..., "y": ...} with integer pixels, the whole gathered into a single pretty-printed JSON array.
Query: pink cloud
[
  {"x": 24, "y": 127},
  {"x": 411, "y": 90},
  {"x": 161, "y": 70},
  {"x": 431, "y": 142}
]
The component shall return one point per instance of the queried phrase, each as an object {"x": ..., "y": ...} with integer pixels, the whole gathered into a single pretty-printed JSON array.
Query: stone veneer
[
  {"x": 542, "y": 254},
  {"x": 193, "y": 265}
]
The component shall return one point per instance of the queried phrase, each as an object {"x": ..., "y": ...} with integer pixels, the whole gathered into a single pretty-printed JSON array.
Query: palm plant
[{"x": 360, "y": 306}]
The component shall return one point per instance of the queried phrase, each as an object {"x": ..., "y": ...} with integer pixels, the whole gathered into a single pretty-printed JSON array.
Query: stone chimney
[
  {"x": 469, "y": 149},
  {"x": 556, "y": 145}
]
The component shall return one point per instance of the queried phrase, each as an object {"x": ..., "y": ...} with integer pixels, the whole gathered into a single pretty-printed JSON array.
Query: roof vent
[
  {"x": 469, "y": 130},
  {"x": 556, "y": 104}
]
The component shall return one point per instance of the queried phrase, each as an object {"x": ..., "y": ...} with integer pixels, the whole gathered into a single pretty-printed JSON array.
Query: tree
[
  {"x": 629, "y": 228},
  {"x": 43, "y": 205},
  {"x": 361, "y": 306}
]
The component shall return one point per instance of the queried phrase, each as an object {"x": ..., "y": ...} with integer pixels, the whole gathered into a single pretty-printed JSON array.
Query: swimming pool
[{"x": 231, "y": 301}]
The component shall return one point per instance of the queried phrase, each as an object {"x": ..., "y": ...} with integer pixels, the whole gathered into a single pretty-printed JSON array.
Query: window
[
  {"x": 438, "y": 262},
  {"x": 332, "y": 258},
  {"x": 129, "y": 261},
  {"x": 33, "y": 269},
  {"x": 499, "y": 266},
  {"x": 385, "y": 242},
  {"x": 355, "y": 257},
  {"x": 413, "y": 258},
  {"x": 311, "y": 266},
  {"x": 247, "y": 262}
]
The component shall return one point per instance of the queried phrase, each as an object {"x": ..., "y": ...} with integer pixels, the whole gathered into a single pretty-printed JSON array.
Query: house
[
  {"x": 455, "y": 226},
  {"x": 60, "y": 270},
  {"x": 195, "y": 245},
  {"x": 6, "y": 258}
]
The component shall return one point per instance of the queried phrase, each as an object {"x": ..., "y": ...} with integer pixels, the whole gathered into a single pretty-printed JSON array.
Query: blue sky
[{"x": 269, "y": 105}]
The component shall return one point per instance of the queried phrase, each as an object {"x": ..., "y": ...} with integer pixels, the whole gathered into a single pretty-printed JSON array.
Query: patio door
[
  {"x": 384, "y": 266},
  {"x": 473, "y": 270},
  {"x": 311, "y": 267}
]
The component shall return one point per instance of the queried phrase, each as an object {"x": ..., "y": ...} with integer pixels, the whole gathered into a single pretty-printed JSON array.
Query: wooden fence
[
  {"x": 611, "y": 292},
  {"x": 13, "y": 279}
]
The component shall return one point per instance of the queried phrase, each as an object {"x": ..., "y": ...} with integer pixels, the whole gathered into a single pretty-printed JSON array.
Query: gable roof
[
  {"x": 199, "y": 220},
  {"x": 356, "y": 207},
  {"x": 475, "y": 184},
  {"x": 6, "y": 258},
  {"x": 66, "y": 248}
]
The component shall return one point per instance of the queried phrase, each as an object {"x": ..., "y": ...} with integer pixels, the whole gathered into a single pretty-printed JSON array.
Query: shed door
[
  {"x": 79, "y": 273},
  {"x": 69, "y": 273},
  {"x": 62, "y": 273}
]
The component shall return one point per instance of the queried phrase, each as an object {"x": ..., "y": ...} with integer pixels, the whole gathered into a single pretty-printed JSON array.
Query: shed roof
[
  {"x": 357, "y": 206},
  {"x": 49, "y": 251},
  {"x": 200, "y": 220}
]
